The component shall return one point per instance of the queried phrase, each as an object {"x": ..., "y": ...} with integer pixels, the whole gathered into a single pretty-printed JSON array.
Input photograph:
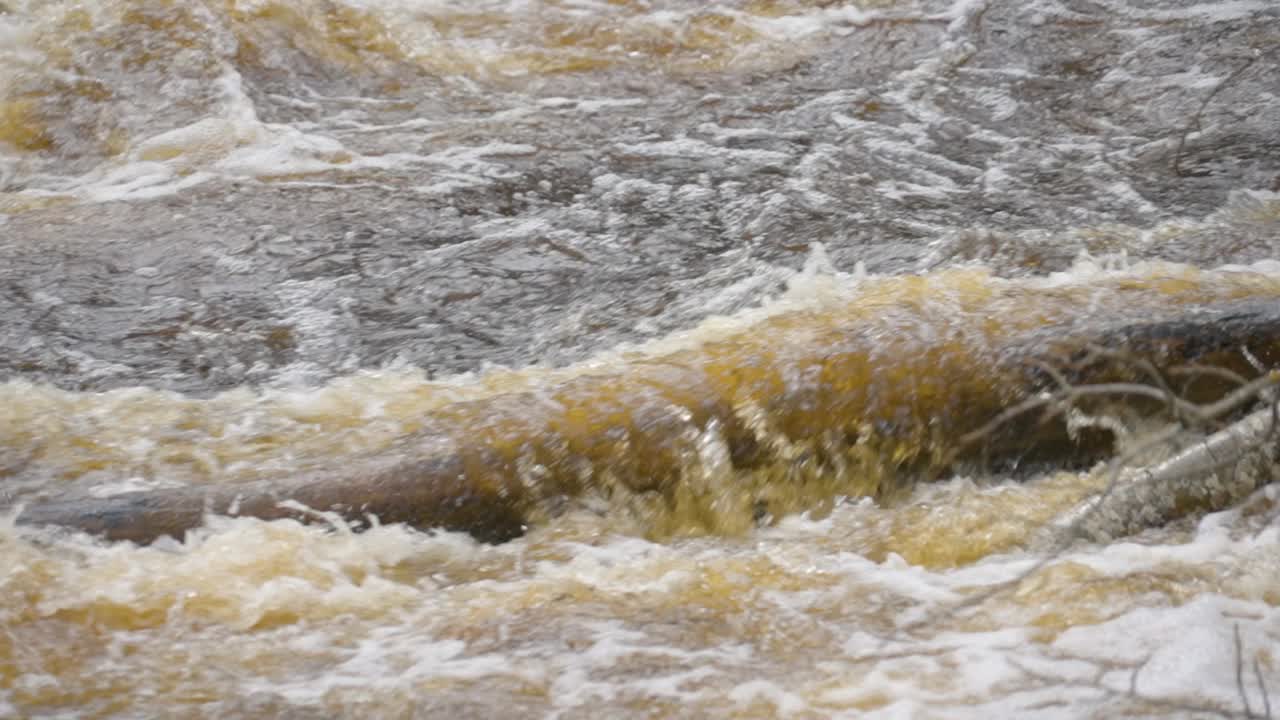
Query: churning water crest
[{"x": 271, "y": 239}]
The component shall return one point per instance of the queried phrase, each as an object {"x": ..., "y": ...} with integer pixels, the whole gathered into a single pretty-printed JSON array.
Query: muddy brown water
[{"x": 263, "y": 240}]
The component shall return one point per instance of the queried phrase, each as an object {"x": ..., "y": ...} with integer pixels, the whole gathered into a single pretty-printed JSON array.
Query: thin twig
[
  {"x": 1143, "y": 364},
  {"x": 1244, "y": 394},
  {"x": 1058, "y": 402},
  {"x": 1194, "y": 371},
  {"x": 1262, "y": 686},
  {"x": 1252, "y": 359},
  {"x": 1063, "y": 538},
  {"x": 1070, "y": 527},
  {"x": 1022, "y": 408},
  {"x": 1239, "y": 654}
]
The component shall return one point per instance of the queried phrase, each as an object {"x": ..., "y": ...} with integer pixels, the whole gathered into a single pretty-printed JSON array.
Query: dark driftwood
[
  {"x": 427, "y": 493},
  {"x": 482, "y": 489}
]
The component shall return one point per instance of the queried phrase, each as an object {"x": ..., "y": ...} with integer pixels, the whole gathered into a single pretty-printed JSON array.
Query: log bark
[
  {"x": 429, "y": 493},
  {"x": 854, "y": 411}
]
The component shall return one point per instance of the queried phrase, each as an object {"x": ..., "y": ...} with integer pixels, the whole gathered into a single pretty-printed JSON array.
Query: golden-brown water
[
  {"x": 852, "y": 614},
  {"x": 270, "y": 240}
]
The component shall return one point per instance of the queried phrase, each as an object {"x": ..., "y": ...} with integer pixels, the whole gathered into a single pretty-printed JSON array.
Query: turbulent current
[{"x": 695, "y": 306}]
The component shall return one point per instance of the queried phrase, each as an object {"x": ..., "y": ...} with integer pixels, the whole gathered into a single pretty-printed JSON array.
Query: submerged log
[{"x": 791, "y": 411}]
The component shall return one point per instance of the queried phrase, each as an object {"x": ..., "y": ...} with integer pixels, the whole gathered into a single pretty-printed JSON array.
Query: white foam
[
  {"x": 611, "y": 643},
  {"x": 1181, "y": 654},
  {"x": 590, "y": 105},
  {"x": 1218, "y": 11},
  {"x": 467, "y": 166},
  {"x": 688, "y": 147},
  {"x": 389, "y": 659},
  {"x": 825, "y": 19},
  {"x": 231, "y": 144},
  {"x": 785, "y": 704},
  {"x": 131, "y": 484}
]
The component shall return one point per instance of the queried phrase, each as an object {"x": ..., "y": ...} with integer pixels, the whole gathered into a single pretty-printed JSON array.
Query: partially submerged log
[
  {"x": 778, "y": 417},
  {"x": 436, "y": 492},
  {"x": 1211, "y": 474}
]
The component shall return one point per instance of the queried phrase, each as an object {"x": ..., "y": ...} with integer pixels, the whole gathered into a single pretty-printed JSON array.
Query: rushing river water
[{"x": 263, "y": 240}]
